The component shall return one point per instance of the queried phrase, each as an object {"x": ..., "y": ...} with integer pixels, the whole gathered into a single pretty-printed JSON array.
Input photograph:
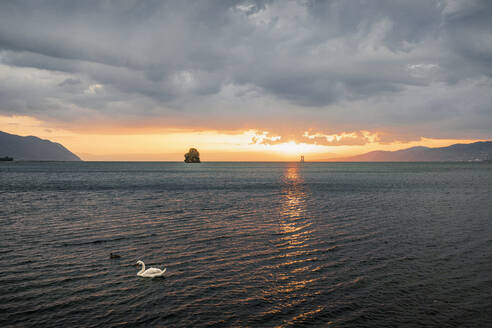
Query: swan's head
[{"x": 140, "y": 263}]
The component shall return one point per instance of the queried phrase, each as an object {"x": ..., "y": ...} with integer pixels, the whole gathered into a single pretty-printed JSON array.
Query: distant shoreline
[{"x": 213, "y": 162}]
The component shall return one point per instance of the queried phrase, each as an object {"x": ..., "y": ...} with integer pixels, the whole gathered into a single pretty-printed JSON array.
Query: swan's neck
[{"x": 143, "y": 268}]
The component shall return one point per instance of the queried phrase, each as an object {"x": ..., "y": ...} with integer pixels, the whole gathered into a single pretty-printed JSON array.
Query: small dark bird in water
[{"x": 114, "y": 256}]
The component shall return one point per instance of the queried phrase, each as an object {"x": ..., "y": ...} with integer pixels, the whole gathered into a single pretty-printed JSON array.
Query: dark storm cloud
[
  {"x": 69, "y": 82},
  {"x": 330, "y": 66}
]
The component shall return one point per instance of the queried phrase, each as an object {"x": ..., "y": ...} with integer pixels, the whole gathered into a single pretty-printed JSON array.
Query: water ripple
[{"x": 246, "y": 244}]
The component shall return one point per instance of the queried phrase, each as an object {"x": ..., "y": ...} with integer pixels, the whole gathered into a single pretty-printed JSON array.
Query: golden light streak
[{"x": 171, "y": 144}]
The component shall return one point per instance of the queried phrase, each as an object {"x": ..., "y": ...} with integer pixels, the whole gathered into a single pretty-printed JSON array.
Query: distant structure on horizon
[{"x": 302, "y": 158}]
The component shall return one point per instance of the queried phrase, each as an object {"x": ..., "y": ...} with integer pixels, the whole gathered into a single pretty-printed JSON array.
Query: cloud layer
[{"x": 403, "y": 69}]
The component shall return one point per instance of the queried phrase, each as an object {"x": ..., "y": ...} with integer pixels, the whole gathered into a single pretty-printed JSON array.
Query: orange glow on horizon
[{"x": 171, "y": 144}]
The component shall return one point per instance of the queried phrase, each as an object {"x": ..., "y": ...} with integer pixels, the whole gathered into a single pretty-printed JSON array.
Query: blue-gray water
[{"x": 246, "y": 244}]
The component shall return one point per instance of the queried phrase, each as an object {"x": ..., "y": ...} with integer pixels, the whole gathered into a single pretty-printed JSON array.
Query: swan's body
[{"x": 150, "y": 272}]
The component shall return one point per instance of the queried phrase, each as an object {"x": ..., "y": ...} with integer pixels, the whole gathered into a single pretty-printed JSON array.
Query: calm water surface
[{"x": 246, "y": 244}]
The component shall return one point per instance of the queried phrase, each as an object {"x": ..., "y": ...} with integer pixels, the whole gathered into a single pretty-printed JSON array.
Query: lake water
[{"x": 246, "y": 244}]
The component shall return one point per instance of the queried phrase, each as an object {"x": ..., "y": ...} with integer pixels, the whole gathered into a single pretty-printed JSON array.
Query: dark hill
[
  {"x": 477, "y": 151},
  {"x": 33, "y": 149}
]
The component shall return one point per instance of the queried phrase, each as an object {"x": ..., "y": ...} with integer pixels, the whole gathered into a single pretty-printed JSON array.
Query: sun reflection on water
[
  {"x": 293, "y": 220},
  {"x": 296, "y": 272}
]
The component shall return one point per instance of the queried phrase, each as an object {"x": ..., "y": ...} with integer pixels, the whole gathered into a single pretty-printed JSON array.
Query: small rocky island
[{"x": 192, "y": 156}]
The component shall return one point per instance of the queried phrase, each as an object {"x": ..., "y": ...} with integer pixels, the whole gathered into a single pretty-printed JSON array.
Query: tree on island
[{"x": 192, "y": 156}]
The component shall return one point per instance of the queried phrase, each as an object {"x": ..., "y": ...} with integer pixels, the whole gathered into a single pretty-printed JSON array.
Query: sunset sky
[{"x": 246, "y": 80}]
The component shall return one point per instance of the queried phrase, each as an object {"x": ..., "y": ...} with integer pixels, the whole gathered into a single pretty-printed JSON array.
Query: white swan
[{"x": 151, "y": 272}]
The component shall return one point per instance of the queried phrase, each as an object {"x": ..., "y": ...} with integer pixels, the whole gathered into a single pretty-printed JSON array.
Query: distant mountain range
[
  {"x": 36, "y": 149},
  {"x": 477, "y": 151},
  {"x": 33, "y": 149}
]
